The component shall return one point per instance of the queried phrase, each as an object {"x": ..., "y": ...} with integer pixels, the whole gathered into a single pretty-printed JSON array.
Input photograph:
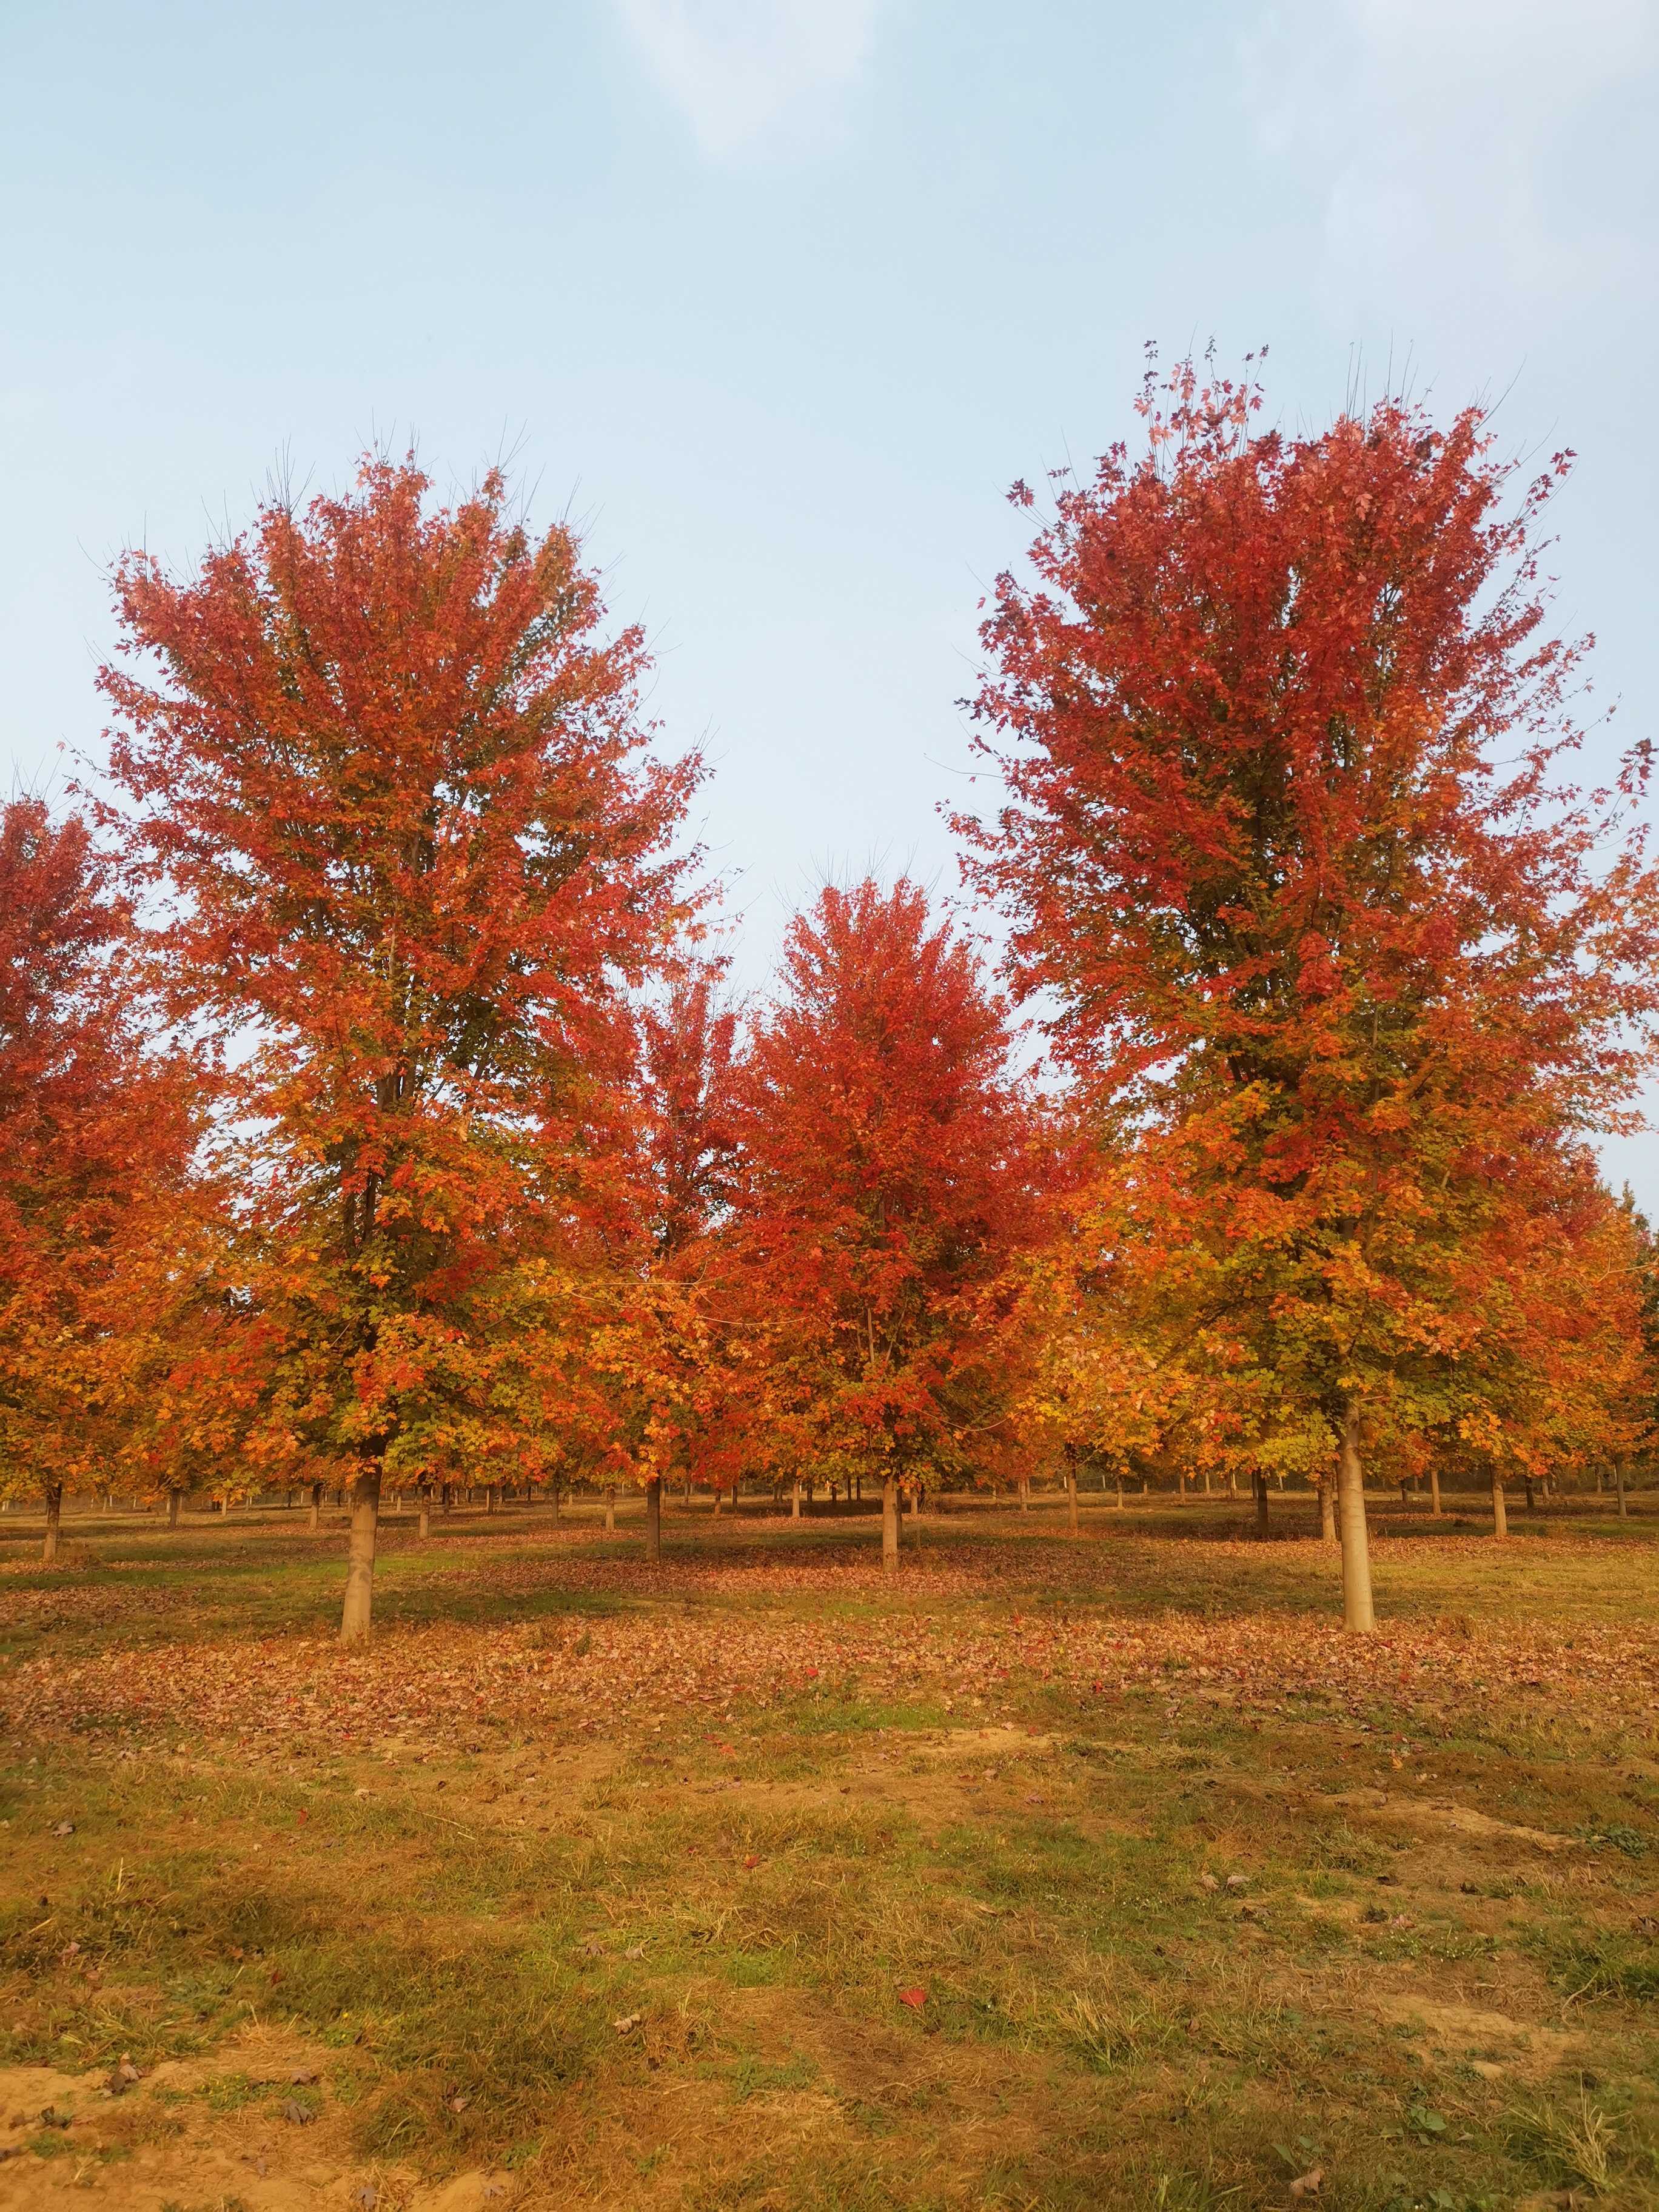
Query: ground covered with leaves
[{"x": 1104, "y": 1872}]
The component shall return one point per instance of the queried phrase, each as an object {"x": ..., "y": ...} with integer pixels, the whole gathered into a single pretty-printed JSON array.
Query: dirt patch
[
  {"x": 188, "y": 2132},
  {"x": 1439, "y": 1814},
  {"x": 1492, "y": 2043}
]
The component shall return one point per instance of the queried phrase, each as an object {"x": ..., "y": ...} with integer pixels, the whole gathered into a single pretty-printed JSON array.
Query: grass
[{"x": 1059, "y": 1873}]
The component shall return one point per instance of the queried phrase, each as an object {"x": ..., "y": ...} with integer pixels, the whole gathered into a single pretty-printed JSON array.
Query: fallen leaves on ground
[{"x": 441, "y": 1682}]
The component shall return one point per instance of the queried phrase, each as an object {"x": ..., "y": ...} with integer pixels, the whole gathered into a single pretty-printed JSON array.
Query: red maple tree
[
  {"x": 1281, "y": 720},
  {"x": 103, "y": 1219},
  {"x": 885, "y": 1185},
  {"x": 387, "y": 779}
]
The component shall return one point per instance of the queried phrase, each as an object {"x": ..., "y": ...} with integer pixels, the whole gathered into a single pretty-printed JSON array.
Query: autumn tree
[
  {"x": 386, "y": 780},
  {"x": 884, "y": 1187},
  {"x": 102, "y": 1216},
  {"x": 1281, "y": 723}
]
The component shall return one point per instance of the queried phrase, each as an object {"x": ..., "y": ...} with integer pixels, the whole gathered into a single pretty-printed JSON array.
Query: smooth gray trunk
[
  {"x": 358, "y": 1610},
  {"x": 1357, "y": 1609}
]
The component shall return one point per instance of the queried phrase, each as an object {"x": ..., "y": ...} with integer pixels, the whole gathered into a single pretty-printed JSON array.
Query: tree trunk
[
  {"x": 1532, "y": 1494},
  {"x": 653, "y": 1519},
  {"x": 424, "y": 1526},
  {"x": 890, "y": 1525},
  {"x": 54, "y": 1517},
  {"x": 1434, "y": 1492},
  {"x": 1071, "y": 1490},
  {"x": 1357, "y": 1610},
  {"x": 1181, "y": 1490},
  {"x": 443, "y": 1497},
  {"x": 490, "y": 1494},
  {"x": 1120, "y": 1493},
  {"x": 314, "y": 1519},
  {"x": 717, "y": 1501},
  {"x": 1500, "y": 1519},
  {"x": 1327, "y": 1511},
  {"x": 1259, "y": 1484},
  {"x": 1025, "y": 1493},
  {"x": 1619, "y": 1485},
  {"x": 172, "y": 1509},
  {"x": 360, "y": 1557},
  {"x": 794, "y": 1500},
  {"x": 610, "y": 1509}
]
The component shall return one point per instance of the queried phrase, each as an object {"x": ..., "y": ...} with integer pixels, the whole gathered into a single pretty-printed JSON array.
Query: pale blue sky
[{"x": 780, "y": 295}]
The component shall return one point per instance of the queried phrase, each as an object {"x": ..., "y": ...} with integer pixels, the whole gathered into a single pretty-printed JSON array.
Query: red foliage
[
  {"x": 885, "y": 1183},
  {"x": 1343, "y": 960},
  {"x": 390, "y": 783},
  {"x": 100, "y": 1212}
]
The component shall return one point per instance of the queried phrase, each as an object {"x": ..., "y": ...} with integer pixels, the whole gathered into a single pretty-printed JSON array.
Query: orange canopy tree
[
  {"x": 386, "y": 778},
  {"x": 884, "y": 1187},
  {"x": 1279, "y": 719},
  {"x": 103, "y": 1223}
]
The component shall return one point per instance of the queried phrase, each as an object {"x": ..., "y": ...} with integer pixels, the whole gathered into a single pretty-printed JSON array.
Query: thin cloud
[
  {"x": 738, "y": 69},
  {"x": 1435, "y": 125}
]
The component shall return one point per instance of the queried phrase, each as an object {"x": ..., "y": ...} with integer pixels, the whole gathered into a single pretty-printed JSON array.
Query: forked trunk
[
  {"x": 890, "y": 1525},
  {"x": 794, "y": 1500},
  {"x": 1327, "y": 1511},
  {"x": 610, "y": 1509},
  {"x": 1500, "y": 1519},
  {"x": 1434, "y": 1492},
  {"x": 172, "y": 1509},
  {"x": 54, "y": 1519},
  {"x": 1357, "y": 1610},
  {"x": 653, "y": 1519},
  {"x": 359, "y": 1606}
]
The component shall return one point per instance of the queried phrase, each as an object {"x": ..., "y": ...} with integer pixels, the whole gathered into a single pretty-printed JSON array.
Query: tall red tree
[
  {"x": 1280, "y": 720},
  {"x": 884, "y": 1187},
  {"x": 101, "y": 1217},
  {"x": 388, "y": 775}
]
